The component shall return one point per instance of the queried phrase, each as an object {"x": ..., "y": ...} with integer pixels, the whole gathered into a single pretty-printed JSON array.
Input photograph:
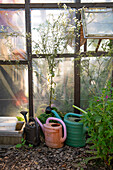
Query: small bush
[{"x": 99, "y": 120}]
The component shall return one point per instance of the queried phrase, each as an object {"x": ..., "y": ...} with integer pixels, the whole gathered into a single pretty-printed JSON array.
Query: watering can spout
[
  {"x": 41, "y": 125},
  {"x": 50, "y": 110},
  {"x": 24, "y": 113},
  {"x": 56, "y": 114}
]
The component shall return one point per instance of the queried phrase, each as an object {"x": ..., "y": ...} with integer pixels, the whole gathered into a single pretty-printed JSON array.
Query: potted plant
[{"x": 20, "y": 123}]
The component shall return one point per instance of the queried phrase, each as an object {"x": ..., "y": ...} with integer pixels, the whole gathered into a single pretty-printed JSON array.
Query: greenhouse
[{"x": 56, "y": 64}]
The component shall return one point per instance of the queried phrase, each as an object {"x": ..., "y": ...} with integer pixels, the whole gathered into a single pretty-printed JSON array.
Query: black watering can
[{"x": 31, "y": 131}]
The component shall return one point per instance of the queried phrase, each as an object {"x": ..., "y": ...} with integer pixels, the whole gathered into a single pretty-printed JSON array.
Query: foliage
[
  {"x": 23, "y": 144},
  {"x": 40, "y": 109},
  {"x": 54, "y": 37},
  {"x": 64, "y": 91},
  {"x": 43, "y": 117},
  {"x": 95, "y": 72},
  {"x": 99, "y": 120},
  {"x": 20, "y": 118}
]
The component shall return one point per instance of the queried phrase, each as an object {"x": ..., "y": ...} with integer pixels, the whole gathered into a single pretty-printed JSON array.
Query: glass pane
[
  {"x": 93, "y": 1},
  {"x": 12, "y": 35},
  {"x": 64, "y": 89},
  {"x": 52, "y": 1},
  {"x": 13, "y": 90},
  {"x": 95, "y": 72},
  {"x": 97, "y": 23},
  {"x": 40, "y": 17},
  {"x": 93, "y": 43},
  {"x": 12, "y": 1}
]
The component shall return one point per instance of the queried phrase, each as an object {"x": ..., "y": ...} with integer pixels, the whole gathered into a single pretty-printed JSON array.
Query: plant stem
[{"x": 51, "y": 82}]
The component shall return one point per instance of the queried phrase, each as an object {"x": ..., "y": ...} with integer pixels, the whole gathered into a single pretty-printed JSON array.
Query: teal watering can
[
  {"x": 49, "y": 110},
  {"x": 75, "y": 130}
]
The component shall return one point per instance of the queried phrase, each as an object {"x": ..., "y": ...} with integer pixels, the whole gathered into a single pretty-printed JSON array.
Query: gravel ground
[{"x": 45, "y": 158}]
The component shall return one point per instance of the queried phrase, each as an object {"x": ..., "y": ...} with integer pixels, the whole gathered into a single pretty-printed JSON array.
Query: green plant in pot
[{"x": 20, "y": 123}]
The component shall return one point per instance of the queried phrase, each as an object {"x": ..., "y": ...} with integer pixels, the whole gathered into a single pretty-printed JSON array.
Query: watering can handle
[
  {"x": 41, "y": 125},
  {"x": 64, "y": 126},
  {"x": 72, "y": 114}
]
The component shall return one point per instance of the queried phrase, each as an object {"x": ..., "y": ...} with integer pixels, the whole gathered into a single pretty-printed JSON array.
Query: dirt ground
[{"x": 45, "y": 158}]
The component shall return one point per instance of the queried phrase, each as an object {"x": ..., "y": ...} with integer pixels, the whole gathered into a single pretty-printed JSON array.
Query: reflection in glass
[
  {"x": 93, "y": 1},
  {"x": 13, "y": 90},
  {"x": 93, "y": 43},
  {"x": 64, "y": 89},
  {"x": 40, "y": 17},
  {"x": 95, "y": 72},
  {"x": 51, "y": 1},
  {"x": 12, "y": 35},
  {"x": 97, "y": 23},
  {"x": 12, "y": 1}
]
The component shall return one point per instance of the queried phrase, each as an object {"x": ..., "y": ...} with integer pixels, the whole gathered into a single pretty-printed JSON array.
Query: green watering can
[{"x": 75, "y": 130}]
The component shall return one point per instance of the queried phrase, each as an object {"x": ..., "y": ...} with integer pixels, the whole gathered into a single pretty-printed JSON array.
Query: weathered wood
[
  {"x": 56, "y": 6},
  {"x": 10, "y": 137},
  {"x": 98, "y": 45},
  {"x": 29, "y": 54},
  {"x": 13, "y": 62}
]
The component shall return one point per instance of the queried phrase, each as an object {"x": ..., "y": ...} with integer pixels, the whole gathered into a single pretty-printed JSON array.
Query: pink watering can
[{"x": 53, "y": 132}]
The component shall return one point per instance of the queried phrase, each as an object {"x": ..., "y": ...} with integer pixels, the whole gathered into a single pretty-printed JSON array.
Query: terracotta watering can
[{"x": 53, "y": 132}]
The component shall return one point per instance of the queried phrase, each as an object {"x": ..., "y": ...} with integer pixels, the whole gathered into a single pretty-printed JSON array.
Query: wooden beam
[
  {"x": 93, "y": 54},
  {"x": 77, "y": 71},
  {"x": 56, "y": 6},
  {"x": 13, "y": 62},
  {"x": 85, "y": 46},
  {"x": 29, "y": 54},
  {"x": 98, "y": 45},
  {"x": 72, "y": 5},
  {"x": 74, "y": 55},
  {"x": 12, "y": 6}
]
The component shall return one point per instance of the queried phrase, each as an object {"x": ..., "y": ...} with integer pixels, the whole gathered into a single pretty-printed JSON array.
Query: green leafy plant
[
  {"x": 99, "y": 120},
  {"x": 23, "y": 144},
  {"x": 43, "y": 117},
  {"x": 20, "y": 118}
]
